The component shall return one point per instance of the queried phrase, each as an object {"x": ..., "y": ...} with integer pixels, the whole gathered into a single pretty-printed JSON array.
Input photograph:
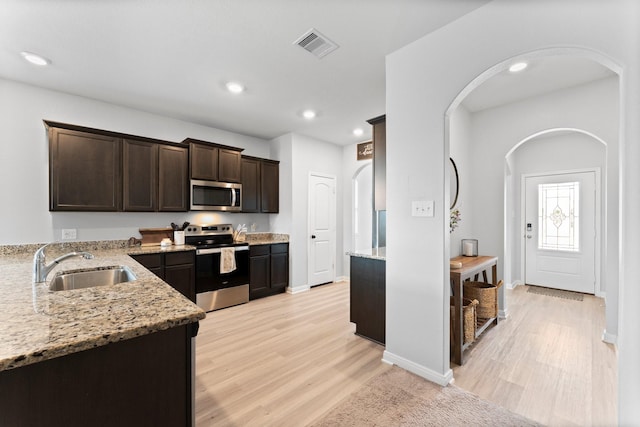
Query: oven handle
[{"x": 219, "y": 250}]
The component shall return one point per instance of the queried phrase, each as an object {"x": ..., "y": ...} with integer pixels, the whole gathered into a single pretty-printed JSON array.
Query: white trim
[
  {"x": 514, "y": 284},
  {"x": 341, "y": 279},
  {"x": 503, "y": 314},
  {"x": 419, "y": 370},
  {"x": 298, "y": 289},
  {"x": 609, "y": 338},
  {"x": 597, "y": 209}
]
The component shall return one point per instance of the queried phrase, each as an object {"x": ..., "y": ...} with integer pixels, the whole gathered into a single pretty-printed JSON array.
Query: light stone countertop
[
  {"x": 372, "y": 253},
  {"x": 266, "y": 238},
  {"x": 37, "y": 324}
]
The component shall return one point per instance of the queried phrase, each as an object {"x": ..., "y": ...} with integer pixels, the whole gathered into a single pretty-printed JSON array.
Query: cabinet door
[
  {"x": 204, "y": 162},
  {"x": 279, "y": 266},
  {"x": 229, "y": 166},
  {"x": 152, "y": 262},
  {"x": 182, "y": 278},
  {"x": 84, "y": 171},
  {"x": 259, "y": 270},
  {"x": 173, "y": 179},
  {"x": 270, "y": 187},
  {"x": 140, "y": 176},
  {"x": 250, "y": 185}
]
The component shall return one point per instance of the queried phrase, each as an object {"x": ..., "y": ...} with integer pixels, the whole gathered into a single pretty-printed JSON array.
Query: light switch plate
[{"x": 423, "y": 208}]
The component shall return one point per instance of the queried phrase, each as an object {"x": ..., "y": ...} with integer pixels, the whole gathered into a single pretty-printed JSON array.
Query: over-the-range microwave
[{"x": 215, "y": 196}]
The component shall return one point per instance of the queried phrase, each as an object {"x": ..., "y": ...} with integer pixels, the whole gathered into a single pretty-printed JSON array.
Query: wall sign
[{"x": 365, "y": 150}]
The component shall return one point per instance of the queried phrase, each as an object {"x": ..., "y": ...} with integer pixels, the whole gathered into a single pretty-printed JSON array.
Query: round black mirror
[{"x": 454, "y": 183}]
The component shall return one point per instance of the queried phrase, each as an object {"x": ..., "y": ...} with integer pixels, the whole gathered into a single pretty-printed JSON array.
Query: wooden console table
[{"x": 471, "y": 268}]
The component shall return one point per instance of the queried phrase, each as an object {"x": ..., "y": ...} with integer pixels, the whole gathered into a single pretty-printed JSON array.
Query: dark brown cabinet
[
  {"x": 97, "y": 170},
  {"x": 260, "y": 185},
  {"x": 379, "y": 162},
  {"x": 175, "y": 268},
  {"x": 84, "y": 171},
  {"x": 173, "y": 186},
  {"x": 213, "y": 162},
  {"x": 268, "y": 269},
  {"x": 140, "y": 176},
  {"x": 367, "y": 295},
  {"x": 142, "y": 381}
]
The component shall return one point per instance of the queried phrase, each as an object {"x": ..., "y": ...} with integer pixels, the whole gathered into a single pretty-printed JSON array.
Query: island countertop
[
  {"x": 37, "y": 324},
  {"x": 372, "y": 253}
]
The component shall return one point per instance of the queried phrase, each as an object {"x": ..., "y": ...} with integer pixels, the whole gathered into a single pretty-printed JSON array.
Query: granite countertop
[
  {"x": 372, "y": 253},
  {"x": 266, "y": 238},
  {"x": 37, "y": 324}
]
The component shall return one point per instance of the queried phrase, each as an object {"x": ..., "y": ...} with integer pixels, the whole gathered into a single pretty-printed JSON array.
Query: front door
[
  {"x": 560, "y": 231},
  {"x": 322, "y": 229}
]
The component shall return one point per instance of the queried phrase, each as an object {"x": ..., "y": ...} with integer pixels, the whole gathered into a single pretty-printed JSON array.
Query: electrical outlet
[
  {"x": 422, "y": 208},
  {"x": 69, "y": 234}
]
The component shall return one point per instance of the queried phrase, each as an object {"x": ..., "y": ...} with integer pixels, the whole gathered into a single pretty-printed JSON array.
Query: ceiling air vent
[{"x": 314, "y": 42}]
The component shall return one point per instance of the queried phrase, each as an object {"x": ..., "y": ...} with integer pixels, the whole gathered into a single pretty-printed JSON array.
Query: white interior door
[
  {"x": 322, "y": 229},
  {"x": 560, "y": 231}
]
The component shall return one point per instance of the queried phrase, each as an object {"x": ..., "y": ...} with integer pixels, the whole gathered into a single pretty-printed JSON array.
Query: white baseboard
[
  {"x": 609, "y": 338},
  {"x": 341, "y": 279},
  {"x": 298, "y": 289},
  {"x": 503, "y": 314},
  {"x": 514, "y": 284},
  {"x": 419, "y": 370}
]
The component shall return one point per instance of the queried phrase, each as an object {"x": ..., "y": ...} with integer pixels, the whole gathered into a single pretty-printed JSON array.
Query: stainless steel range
[{"x": 222, "y": 266}]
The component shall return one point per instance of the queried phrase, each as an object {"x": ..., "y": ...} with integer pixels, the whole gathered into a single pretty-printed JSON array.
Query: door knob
[
  {"x": 313, "y": 236},
  {"x": 529, "y": 236}
]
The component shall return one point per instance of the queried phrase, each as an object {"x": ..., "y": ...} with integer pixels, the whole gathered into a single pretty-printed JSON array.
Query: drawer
[
  {"x": 280, "y": 248},
  {"x": 149, "y": 260},
  {"x": 258, "y": 250},
  {"x": 179, "y": 258}
]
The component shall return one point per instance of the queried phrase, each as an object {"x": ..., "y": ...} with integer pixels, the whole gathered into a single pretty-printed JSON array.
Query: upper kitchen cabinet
[
  {"x": 173, "y": 178},
  {"x": 214, "y": 162},
  {"x": 379, "y": 162},
  {"x": 98, "y": 170},
  {"x": 84, "y": 171},
  {"x": 260, "y": 185}
]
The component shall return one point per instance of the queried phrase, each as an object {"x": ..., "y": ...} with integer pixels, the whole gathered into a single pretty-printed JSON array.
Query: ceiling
[{"x": 174, "y": 57}]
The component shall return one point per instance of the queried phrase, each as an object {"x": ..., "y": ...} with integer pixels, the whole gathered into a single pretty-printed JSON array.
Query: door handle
[
  {"x": 313, "y": 236},
  {"x": 529, "y": 236}
]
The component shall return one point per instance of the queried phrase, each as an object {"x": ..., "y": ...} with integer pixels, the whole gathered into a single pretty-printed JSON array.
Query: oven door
[{"x": 208, "y": 276}]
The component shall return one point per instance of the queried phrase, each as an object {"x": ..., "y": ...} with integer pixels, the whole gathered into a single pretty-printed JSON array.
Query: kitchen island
[
  {"x": 368, "y": 293},
  {"x": 104, "y": 355}
]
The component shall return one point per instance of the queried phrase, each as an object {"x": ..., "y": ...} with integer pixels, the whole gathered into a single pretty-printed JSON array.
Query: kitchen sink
[{"x": 101, "y": 276}]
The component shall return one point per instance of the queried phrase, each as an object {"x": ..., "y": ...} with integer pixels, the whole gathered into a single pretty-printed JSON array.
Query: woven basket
[
  {"x": 487, "y": 296},
  {"x": 469, "y": 319}
]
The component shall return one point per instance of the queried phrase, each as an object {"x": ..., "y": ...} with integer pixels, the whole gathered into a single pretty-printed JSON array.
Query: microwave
[{"x": 215, "y": 196}]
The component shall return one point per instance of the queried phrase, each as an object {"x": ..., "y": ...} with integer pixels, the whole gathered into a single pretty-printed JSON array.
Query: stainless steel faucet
[{"x": 40, "y": 267}]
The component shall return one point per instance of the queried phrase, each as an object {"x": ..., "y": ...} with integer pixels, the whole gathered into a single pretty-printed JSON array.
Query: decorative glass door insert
[{"x": 559, "y": 216}]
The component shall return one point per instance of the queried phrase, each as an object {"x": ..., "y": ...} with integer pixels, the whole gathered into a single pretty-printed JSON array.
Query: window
[{"x": 559, "y": 216}]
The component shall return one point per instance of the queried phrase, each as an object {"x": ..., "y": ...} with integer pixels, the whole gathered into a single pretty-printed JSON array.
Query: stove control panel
[{"x": 208, "y": 229}]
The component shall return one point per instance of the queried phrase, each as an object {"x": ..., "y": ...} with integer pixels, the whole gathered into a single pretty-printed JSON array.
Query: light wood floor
[
  {"x": 546, "y": 361},
  {"x": 282, "y": 360},
  {"x": 286, "y": 360}
]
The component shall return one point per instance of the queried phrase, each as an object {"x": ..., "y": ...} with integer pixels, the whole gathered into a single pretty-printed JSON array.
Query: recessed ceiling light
[
  {"x": 358, "y": 132},
  {"x": 309, "y": 114},
  {"x": 35, "y": 58},
  {"x": 235, "y": 87},
  {"x": 518, "y": 66}
]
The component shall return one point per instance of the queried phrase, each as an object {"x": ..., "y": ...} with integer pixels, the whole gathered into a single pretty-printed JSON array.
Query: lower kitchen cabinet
[
  {"x": 368, "y": 296},
  {"x": 175, "y": 268},
  {"x": 142, "y": 381},
  {"x": 268, "y": 269}
]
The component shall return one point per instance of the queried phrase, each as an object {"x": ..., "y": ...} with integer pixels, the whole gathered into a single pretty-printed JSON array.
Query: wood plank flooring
[
  {"x": 286, "y": 360},
  {"x": 283, "y": 360},
  {"x": 546, "y": 361}
]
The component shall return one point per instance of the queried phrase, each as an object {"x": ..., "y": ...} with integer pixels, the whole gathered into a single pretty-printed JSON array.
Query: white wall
[
  {"x": 497, "y": 131},
  {"x": 460, "y": 150},
  {"x": 24, "y": 165},
  {"x": 423, "y": 79},
  {"x": 351, "y": 168},
  {"x": 299, "y": 156}
]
